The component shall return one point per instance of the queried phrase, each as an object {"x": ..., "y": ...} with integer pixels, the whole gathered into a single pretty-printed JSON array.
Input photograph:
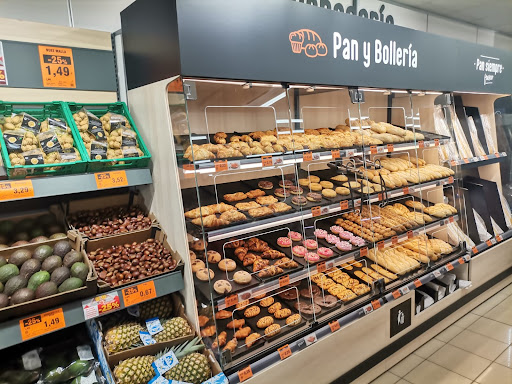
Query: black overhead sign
[{"x": 286, "y": 41}]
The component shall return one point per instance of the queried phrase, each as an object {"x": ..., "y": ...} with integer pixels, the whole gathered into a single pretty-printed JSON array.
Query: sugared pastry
[
  {"x": 299, "y": 251},
  {"x": 352, "y": 184},
  {"x": 294, "y": 236},
  {"x": 246, "y": 206},
  {"x": 266, "y": 200},
  {"x": 241, "y": 305},
  {"x": 274, "y": 307},
  {"x": 343, "y": 246},
  {"x": 329, "y": 193},
  {"x": 197, "y": 265},
  {"x": 295, "y": 190},
  {"x": 336, "y": 229},
  {"x": 342, "y": 191},
  {"x": 320, "y": 233},
  {"x": 332, "y": 239},
  {"x": 255, "y": 193},
  {"x": 204, "y": 273},
  {"x": 293, "y": 320},
  {"x": 346, "y": 235},
  {"x": 265, "y": 321},
  {"x": 213, "y": 257},
  {"x": 326, "y": 184},
  {"x": 340, "y": 178},
  {"x": 313, "y": 179},
  {"x": 251, "y": 339},
  {"x": 325, "y": 252},
  {"x": 281, "y": 192},
  {"x": 267, "y": 302},
  {"x": 283, "y": 313},
  {"x": 242, "y": 277},
  {"x": 286, "y": 183},
  {"x": 264, "y": 184},
  {"x": 312, "y": 257},
  {"x": 252, "y": 311},
  {"x": 299, "y": 200},
  {"x": 272, "y": 330},
  {"x": 356, "y": 240},
  {"x": 310, "y": 244},
  {"x": 284, "y": 242},
  {"x": 314, "y": 197},
  {"x": 303, "y": 182},
  {"x": 315, "y": 187},
  {"x": 222, "y": 287},
  {"x": 327, "y": 301},
  {"x": 227, "y": 265}
]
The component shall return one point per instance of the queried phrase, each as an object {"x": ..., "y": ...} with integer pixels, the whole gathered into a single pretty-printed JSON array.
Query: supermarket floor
[{"x": 475, "y": 349}]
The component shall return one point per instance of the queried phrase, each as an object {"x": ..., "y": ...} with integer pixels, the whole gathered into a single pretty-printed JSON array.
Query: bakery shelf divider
[
  {"x": 491, "y": 242},
  {"x": 479, "y": 161},
  {"x": 10, "y": 332}
]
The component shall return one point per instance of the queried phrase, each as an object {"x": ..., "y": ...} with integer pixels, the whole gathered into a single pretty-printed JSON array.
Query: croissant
[
  {"x": 208, "y": 331},
  {"x": 270, "y": 271},
  {"x": 219, "y": 340},
  {"x": 240, "y": 252},
  {"x": 231, "y": 345},
  {"x": 272, "y": 254},
  {"x": 286, "y": 263},
  {"x": 235, "y": 244},
  {"x": 259, "y": 264},
  {"x": 210, "y": 221},
  {"x": 242, "y": 333},
  {"x": 203, "y": 320},
  {"x": 236, "y": 324},
  {"x": 249, "y": 259}
]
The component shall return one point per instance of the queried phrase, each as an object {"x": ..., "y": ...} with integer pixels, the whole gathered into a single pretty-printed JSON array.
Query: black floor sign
[{"x": 400, "y": 317}]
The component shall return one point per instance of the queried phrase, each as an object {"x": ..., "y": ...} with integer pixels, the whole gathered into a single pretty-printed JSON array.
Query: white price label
[
  {"x": 404, "y": 290},
  {"x": 217, "y": 379},
  {"x": 146, "y": 338},
  {"x": 310, "y": 339},
  {"x": 316, "y": 156},
  {"x": 467, "y": 258},
  {"x": 31, "y": 360},
  {"x": 351, "y": 152},
  {"x": 154, "y": 326},
  {"x": 234, "y": 165},
  {"x": 381, "y": 149},
  {"x": 84, "y": 352},
  {"x": 165, "y": 363},
  {"x": 436, "y": 274},
  {"x": 368, "y": 309},
  {"x": 278, "y": 160}
]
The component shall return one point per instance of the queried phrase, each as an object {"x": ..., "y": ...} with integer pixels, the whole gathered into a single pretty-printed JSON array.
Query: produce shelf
[
  {"x": 479, "y": 161},
  {"x": 74, "y": 313}
]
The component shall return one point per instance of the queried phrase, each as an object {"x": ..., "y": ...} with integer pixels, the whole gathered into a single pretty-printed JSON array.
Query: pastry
[
  {"x": 274, "y": 254},
  {"x": 204, "y": 274},
  {"x": 343, "y": 191},
  {"x": 293, "y": 319},
  {"x": 210, "y": 222},
  {"x": 192, "y": 255},
  {"x": 343, "y": 246},
  {"x": 295, "y": 190},
  {"x": 223, "y": 314},
  {"x": 260, "y": 212},
  {"x": 251, "y": 339},
  {"x": 324, "y": 252},
  {"x": 289, "y": 294},
  {"x": 222, "y": 287},
  {"x": 233, "y": 216},
  {"x": 267, "y": 302},
  {"x": 308, "y": 309},
  {"x": 242, "y": 305},
  {"x": 326, "y": 184},
  {"x": 279, "y": 207},
  {"x": 352, "y": 184},
  {"x": 326, "y": 301},
  {"x": 270, "y": 271},
  {"x": 340, "y": 178},
  {"x": 266, "y": 200},
  {"x": 242, "y": 277},
  {"x": 315, "y": 187},
  {"x": 255, "y": 193},
  {"x": 284, "y": 242},
  {"x": 237, "y": 196},
  {"x": 260, "y": 296},
  {"x": 303, "y": 182},
  {"x": 332, "y": 239},
  {"x": 242, "y": 333},
  {"x": 329, "y": 193},
  {"x": 260, "y": 264},
  {"x": 265, "y": 184},
  {"x": 314, "y": 197},
  {"x": 285, "y": 183},
  {"x": 208, "y": 331},
  {"x": 198, "y": 245},
  {"x": 294, "y": 236},
  {"x": 247, "y": 206},
  {"x": 197, "y": 265},
  {"x": 227, "y": 265},
  {"x": 219, "y": 340},
  {"x": 307, "y": 292},
  {"x": 265, "y": 321},
  {"x": 365, "y": 189},
  {"x": 299, "y": 200},
  {"x": 415, "y": 204},
  {"x": 213, "y": 257},
  {"x": 203, "y": 320},
  {"x": 272, "y": 330},
  {"x": 274, "y": 307},
  {"x": 236, "y": 324},
  {"x": 281, "y": 192},
  {"x": 313, "y": 179},
  {"x": 299, "y": 251},
  {"x": 252, "y": 311},
  {"x": 336, "y": 229},
  {"x": 310, "y": 244},
  {"x": 231, "y": 345},
  {"x": 320, "y": 233},
  {"x": 311, "y": 257},
  {"x": 346, "y": 235}
]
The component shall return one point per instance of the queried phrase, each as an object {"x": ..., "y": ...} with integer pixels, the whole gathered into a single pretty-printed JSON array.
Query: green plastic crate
[
  {"x": 99, "y": 109},
  {"x": 42, "y": 111}
]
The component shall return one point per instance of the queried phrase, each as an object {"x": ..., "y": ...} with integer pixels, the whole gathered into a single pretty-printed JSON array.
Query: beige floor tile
[
  {"x": 493, "y": 329},
  {"x": 505, "y": 358},
  {"x": 429, "y": 348},
  {"x": 449, "y": 333},
  {"x": 402, "y": 381},
  {"x": 459, "y": 361},
  {"x": 507, "y": 290},
  {"x": 386, "y": 378},
  {"x": 478, "y": 344},
  {"x": 430, "y": 373},
  {"x": 501, "y": 313},
  {"x": 406, "y": 365},
  {"x": 467, "y": 320},
  {"x": 495, "y": 374},
  {"x": 486, "y": 306}
]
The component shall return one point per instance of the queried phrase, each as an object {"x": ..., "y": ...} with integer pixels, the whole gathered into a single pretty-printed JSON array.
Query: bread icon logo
[{"x": 308, "y": 41}]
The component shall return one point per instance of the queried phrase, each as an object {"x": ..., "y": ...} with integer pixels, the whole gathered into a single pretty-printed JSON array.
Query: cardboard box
[
  {"x": 30, "y": 307},
  {"x": 138, "y": 236}
]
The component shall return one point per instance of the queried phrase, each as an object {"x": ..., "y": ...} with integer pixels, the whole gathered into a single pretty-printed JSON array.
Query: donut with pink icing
[
  {"x": 356, "y": 240},
  {"x": 332, "y": 239},
  {"x": 294, "y": 236},
  {"x": 336, "y": 229},
  {"x": 299, "y": 251},
  {"x": 310, "y": 244},
  {"x": 325, "y": 252},
  {"x": 343, "y": 246},
  {"x": 312, "y": 257},
  {"x": 346, "y": 235},
  {"x": 284, "y": 242},
  {"x": 320, "y": 233}
]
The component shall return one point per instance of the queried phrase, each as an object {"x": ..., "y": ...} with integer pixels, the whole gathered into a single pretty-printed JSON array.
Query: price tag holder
[
  {"x": 436, "y": 274},
  {"x": 498, "y": 238},
  {"x": 221, "y": 165},
  {"x": 417, "y": 283},
  {"x": 368, "y": 309},
  {"x": 466, "y": 161},
  {"x": 350, "y": 152},
  {"x": 13, "y": 190},
  {"x": 497, "y": 154},
  {"x": 410, "y": 234},
  {"x": 316, "y": 211},
  {"x": 475, "y": 250},
  {"x": 245, "y": 374},
  {"x": 421, "y": 144},
  {"x": 321, "y": 267},
  {"x": 113, "y": 179},
  {"x": 139, "y": 293},
  {"x": 467, "y": 258},
  {"x": 266, "y": 161},
  {"x": 380, "y": 196},
  {"x": 485, "y": 157},
  {"x": 390, "y": 147},
  {"x": 380, "y": 245},
  {"x": 335, "y": 153},
  {"x": 449, "y": 266},
  {"x": 375, "y": 304},
  {"x": 334, "y": 325},
  {"x": 57, "y": 67},
  {"x": 489, "y": 243},
  {"x": 307, "y": 156},
  {"x": 363, "y": 252},
  {"x": 451, "y": 219},
  {"x": 373, "y": 149},
  {"x": 405, "y": 190},
  {"x": 231, "y": 300},
  {"x": 460, "y": 260},
  {"x": 394, "y": 240},
  {"x": 450, "y": 180},
  {"x": 396, "y": 294},
  {"x": 404, "y": 290},
  {"x": 284, "y": 352},
  {"x": 42, "y": 324},
  {"x": 284, "y": 281},
  {"x": 453, "y": 163},
  {"x": 344, "y": 204},
  {"x": 436, "y": 142}
]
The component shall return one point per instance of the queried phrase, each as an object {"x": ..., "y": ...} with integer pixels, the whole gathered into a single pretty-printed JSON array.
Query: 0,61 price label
[
  {"x": 42, "y": 324},
  {"x": 13, "y": 190},
  {"x": 57, "y": 67},
  {"x": 112, "y": 179},
  {"x": 139, "y": 293}
]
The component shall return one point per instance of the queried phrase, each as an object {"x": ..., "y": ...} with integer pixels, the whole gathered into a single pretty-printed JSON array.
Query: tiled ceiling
[{"x": 492, "y": 14}]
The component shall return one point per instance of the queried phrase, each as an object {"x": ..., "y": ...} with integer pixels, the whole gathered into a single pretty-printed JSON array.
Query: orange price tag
[
  {"x": 284, "y": 352},
  {"x": 307, "y": 156},
  {"x": 451, "y": 219},
  {"x": 380, "y": 197},
  {"x": 417, "y": 283},
  {"x": 405, "y": 190},
  {"x": 498, "y": 238},
  {"x": 380, "y": 245},
  {"x": 363, "y": 252},
  {"x": 284, "y": 281},
  {"x": 475, "y": 250},
  {"x": 449, "y": 267},
  {"x": 466, "y": 160},
  {"x": 453, "y": 163},
  {"x": 42, "y": 324},
  {"x": 394, "y": 240},
  {"x": 334, "y": 325},
  {"x": 320, "y": 267},
  {"x": 489, "y": 243},
  {"x": 396, "y": 294},
  {"x": 376, "y": 304},
  {"x": 436, "y": 142},
  {"x": 373, "y": 149},
  {"x": 461, "y": 260},
  {"x": 245, "y": 374},
  {"x": 13, "y": 190},
  {"x": 139, "y": 293},
  {"x": 485, "y": 157},
  {"x": 266, "y": 161},
  {"x": 344, "y": 204},
  {"x": 390, "y": 148},
  {"x": 497, "y": 154},
  {"x": 188, "y": 171},
  {"x": 221, "y": 165},
  {"x": 450, "y": 180},
  {"x": 188, "y": 167},
  {"x": 113, "y": 179},
  {"x": 231, "y": 300},
  {"x": 335, "y": 153},
  {"x": 410, "y": 234},
  {"x": 316, "y": 211},
  {"x": 421, "y": 144},
  {"x": 57, "y": 67}
]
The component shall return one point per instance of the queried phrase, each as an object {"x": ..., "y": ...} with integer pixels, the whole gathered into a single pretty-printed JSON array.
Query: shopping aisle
[{"x": 475, "y": 349}]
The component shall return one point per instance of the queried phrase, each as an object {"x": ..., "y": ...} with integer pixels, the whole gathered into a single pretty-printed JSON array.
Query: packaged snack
[
  {"x": 33, "y": 157},
  {"x": 112, "y": 121},
  {"x": 98, "y": 150},
  {"x": 30, "y": 123},
  {"x": 14, "y": 139},
  {"x": 49, "y": 142}
]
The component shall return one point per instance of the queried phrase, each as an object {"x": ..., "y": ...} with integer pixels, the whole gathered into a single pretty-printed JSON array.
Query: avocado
[
  {"x": 38, "y": 239},
  {"x": 47, "y": 220},
  {"x": 14, "y": 284},
  {"x": 70, "y": 284},
  {"x": 8, "y": 271},
  {"x": 18, "y": 243},
  {"x": 19, "y": 257},
  {"x": 6, "y": 227},
  {"x": 71, "y": 258},
  {"x": 79, "y": 270},
  {"x": 36, "y": 231},
  {"x": 48, "y": 288},
  {"x": 24, "y": 225},
  {"x": 57, "y": 235},
  {"x": 37, "y": 279},
  {"x": 30, "y": 267},
  {"x": 21, "y": 236},
  {"x": 1, "y": 287},
  {"x": 22, "y": 296},
  {"x": 42, "y": 252},
  {"x": 51, "y": 263},
  {"x": 60, "y": 274},
  {"x": 4, "y": 300},
  {"x": 61, "y": 248},
  {"x": 2, "y": 261}
]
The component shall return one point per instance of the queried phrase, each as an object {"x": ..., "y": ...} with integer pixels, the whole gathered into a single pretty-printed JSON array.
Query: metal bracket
[
  {"x": 356, "y": 95},
  {"x": 189, "y": 88}
]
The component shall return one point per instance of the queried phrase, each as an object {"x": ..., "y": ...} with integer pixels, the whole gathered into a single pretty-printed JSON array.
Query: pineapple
[
  {"x": 123, "y": 336},
  {"x": 135, "y": 370},
  {"x": 172, "y": 329},
  {"x": 193, "y": 368},
  {"x": 161, "y": 308}
]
